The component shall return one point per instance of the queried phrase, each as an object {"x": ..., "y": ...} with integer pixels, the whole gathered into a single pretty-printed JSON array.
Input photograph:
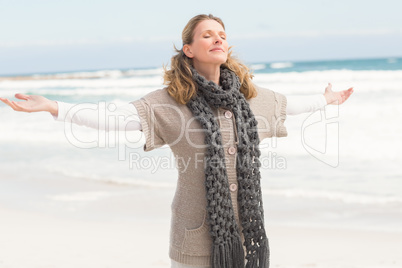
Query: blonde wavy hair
[{"x": 178, "y": 77}]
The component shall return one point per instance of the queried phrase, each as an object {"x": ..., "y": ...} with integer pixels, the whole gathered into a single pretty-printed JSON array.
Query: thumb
[
  {"x": 328, "y": 88},
  {"x": 21, "y": 96}
]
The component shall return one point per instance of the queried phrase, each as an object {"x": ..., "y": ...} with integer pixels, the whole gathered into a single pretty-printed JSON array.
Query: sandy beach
[
  {"x": 63, "y": 205},
  {"x": 67, "y": 222}
]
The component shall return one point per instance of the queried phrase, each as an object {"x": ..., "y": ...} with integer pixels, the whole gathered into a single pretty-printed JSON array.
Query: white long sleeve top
[{"x": 126, "y": 116}]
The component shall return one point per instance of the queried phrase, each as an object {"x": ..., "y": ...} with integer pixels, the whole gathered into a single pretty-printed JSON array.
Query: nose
[{"x": 218, "y": 40}]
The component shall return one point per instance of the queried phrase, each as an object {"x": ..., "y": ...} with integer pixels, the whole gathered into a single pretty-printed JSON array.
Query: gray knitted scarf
[{"x": 227, "y": 250}]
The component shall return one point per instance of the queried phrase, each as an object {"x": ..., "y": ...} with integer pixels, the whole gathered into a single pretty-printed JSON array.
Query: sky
[{"x": 40, "y": 36}]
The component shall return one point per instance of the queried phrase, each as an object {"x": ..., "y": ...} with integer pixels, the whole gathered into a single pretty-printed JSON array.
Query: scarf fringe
[
  {"x": 262, "y": 258},
  {"x": 228, "y": 255}
]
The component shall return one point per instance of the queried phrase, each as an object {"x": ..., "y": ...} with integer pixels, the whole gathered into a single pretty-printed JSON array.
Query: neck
[{"x": 211, "y": 73}]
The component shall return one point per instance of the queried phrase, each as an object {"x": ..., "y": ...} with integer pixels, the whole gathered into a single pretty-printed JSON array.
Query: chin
[{"x": 220, "y": 61}]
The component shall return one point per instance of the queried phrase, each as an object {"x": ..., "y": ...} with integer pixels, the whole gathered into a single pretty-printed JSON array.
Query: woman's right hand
[{"x": 32, "y": 103}]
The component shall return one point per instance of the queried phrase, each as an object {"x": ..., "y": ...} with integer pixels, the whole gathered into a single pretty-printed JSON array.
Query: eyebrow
[{"x": 209, "y": 31}]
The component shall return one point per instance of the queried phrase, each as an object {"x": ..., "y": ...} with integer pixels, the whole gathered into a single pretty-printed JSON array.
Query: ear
[{"x": 187, "y": 50}]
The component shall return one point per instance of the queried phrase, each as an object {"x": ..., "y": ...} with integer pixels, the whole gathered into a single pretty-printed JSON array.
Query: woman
[{"x": 213, "y": 118}]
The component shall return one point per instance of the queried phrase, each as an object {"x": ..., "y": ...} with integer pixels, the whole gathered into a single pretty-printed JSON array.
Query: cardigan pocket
[{"x": 198, "y": 242}]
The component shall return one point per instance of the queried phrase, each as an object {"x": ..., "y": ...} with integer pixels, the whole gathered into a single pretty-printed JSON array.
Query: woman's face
[{"x": 209, "y": 44}]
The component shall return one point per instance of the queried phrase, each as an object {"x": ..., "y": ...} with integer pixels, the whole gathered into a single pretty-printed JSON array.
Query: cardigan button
[
  {"x": 233, "y": 187},
  {"x": 228, "y": 114},
  {"x": 232, "y": 150}
]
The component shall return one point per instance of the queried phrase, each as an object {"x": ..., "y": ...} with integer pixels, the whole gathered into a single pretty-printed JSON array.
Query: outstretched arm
[
  {"x": 98, "y": 116},
  {"x": 94, "y": 116},
  {"x": 310, "y": 103}
]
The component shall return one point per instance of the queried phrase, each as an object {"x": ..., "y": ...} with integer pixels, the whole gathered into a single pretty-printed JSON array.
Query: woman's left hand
[{"x": 337, "y": 98}]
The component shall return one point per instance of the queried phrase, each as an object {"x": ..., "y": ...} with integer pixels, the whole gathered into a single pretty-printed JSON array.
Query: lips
[{"x": 217, "y": 49}]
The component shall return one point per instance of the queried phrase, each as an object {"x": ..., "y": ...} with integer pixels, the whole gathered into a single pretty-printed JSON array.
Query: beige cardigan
[{"x": 164, "y": 121}]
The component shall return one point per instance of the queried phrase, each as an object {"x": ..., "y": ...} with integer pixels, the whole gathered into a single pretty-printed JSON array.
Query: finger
[
  {"x": 329, "y": 87},
  {"x": 347, "y": 94},
  {"x": 3, "y": 100},
  {"x": 9, "y": 103},
  {"x": 17, "y": 107},
  {"x": 349, "y": 91},
  {"x": 21, "y": 96}
]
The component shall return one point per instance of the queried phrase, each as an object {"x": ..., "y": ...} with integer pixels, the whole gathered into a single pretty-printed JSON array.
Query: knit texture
[{"x": 227, "y": 251}]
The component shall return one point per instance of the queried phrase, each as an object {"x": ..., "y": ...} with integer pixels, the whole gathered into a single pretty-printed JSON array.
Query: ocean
[{"x": 338, "y": 167}]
